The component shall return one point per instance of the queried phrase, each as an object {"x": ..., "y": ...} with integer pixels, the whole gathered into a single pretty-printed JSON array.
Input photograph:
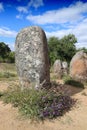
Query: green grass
[{"x": 7, "y": 72}]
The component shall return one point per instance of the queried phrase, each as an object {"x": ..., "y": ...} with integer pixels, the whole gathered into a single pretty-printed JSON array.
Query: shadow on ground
[{"x": 65, "y": 88}]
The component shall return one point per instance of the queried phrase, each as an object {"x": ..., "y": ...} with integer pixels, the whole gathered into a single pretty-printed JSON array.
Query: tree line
[
  {"x": 6, "y": 55},
  {"x": 63, "y": 49}
]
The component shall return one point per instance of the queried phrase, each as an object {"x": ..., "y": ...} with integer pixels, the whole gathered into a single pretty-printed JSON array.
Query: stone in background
[
  {"x": 60, "y": 68},
  {"x": 78, "y": 66},
  {"x": 65, "y": 67},
  {"x": 57, "y": 69}
]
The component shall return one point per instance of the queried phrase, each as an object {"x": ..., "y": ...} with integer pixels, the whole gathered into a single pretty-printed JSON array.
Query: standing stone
[
  {"x": 31, "y": 55},
  {"x": 57, "y": 69},
  {"x": 65, "y": 67},
  {"x": 60, "y": 68},
  {"x": 78, "y": 66}
]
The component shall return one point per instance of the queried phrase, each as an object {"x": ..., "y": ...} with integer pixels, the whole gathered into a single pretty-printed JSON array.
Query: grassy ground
[
  {"x": 7, "y": 67},
  {"x": 8, "y": 72}
]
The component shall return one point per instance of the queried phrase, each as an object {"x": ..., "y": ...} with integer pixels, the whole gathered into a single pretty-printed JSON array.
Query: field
[{"x": 10, "y": 119}]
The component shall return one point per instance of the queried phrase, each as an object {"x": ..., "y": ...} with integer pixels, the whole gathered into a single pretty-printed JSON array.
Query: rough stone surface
[
  {"x": 78, "y": 66},
  {"x": 57, "y": 69},
  {"x": 65, "y": 67},
  {"x": 31, "y": 54},
  {"x": 60, "y": 68}
]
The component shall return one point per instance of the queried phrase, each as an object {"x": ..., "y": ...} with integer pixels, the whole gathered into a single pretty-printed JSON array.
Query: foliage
[
  {"x": 53, "y": 44},
  {"x": 11, "y": 57},
  {"x": 62, "y": 49},
  {"x": 72, "y": 82},
  {"x": 84, "y": 49},
  {"x": 4, "y": 50},
  {"x": 38, "y": 104},
  {"x": 6, "y": 55},
  {"x": 1, "y": 59},
  {"x": 54, "y": 105}
]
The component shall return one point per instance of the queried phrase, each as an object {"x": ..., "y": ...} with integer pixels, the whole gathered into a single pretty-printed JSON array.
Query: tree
[
  {"x": 62, "y": 49},
  {"x": 84, "y": 49},
  {"x": 4, "y": 50},
  {"x": 11, "y": 57},
  {"x": 6, "y": 55},
  {"x": 53, "y": 42},
  {"x": 68, "y": 47}
]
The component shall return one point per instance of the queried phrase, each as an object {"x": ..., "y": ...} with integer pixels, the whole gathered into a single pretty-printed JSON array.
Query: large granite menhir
[{"x": 31, "y": 56}]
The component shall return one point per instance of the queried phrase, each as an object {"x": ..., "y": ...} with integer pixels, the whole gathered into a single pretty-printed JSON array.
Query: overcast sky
[{"x": 56, "y": 17}]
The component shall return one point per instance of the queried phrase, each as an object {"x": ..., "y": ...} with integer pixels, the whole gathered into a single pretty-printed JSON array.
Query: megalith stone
[
  {"x": 57, "y": 69},
  {"x": 31, "y": 56},
  {"x": 60, "y": 68},
  {"x": 78, "y": 66},
  {"x": 65, "y": 67}
]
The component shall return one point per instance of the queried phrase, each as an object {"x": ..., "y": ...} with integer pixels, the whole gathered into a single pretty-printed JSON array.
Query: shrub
[
  {"x": 74, "y": 83},
  {"x": 53, "y": 105},
  {"x": 1, "y": 59},
  {"x": 38, "y": 104},
  {"x": 11, "y": 57},
  {"x": 69, "y": 81}
]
